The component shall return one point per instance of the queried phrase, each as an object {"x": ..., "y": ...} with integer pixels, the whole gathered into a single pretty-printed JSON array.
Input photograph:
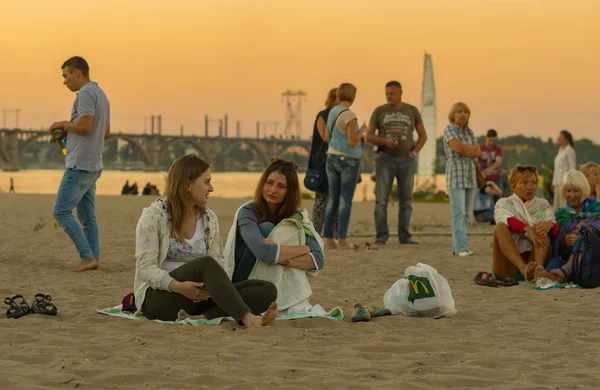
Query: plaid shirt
[{"x": 460, "y": 170}]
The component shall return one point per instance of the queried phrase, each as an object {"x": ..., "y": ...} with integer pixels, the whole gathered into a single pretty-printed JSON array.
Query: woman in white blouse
[
  {"x": 563, "y": 162},
  {"x": 179, "y": 259}
]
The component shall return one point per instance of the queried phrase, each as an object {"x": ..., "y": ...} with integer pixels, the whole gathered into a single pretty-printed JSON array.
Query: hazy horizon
[{"x": 524, "y": 67}]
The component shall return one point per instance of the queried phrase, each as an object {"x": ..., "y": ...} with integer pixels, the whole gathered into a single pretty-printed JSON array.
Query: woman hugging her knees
[
  {"x": 524, "y": 226},
  {"x": 178, "y": 257},
  {"x": 251, "y": 254}
]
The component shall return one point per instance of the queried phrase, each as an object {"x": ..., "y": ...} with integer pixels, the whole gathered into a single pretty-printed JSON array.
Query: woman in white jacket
[
  {"x": 564, "y": 162},
  {"x": 179, "y": 257}
]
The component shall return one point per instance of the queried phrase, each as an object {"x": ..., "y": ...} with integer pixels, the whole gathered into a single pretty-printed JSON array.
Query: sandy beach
[{"x": 501, "y": 338}]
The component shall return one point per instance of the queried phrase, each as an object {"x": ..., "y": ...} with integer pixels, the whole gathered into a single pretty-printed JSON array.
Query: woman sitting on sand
[
  {"x": 524, "y": 225},
  {"x": 277, "y": 198},
  {"x": 580, "y": 210},
  {"x": 177, "y": 249},
  {"x": 591, "y": 170}
]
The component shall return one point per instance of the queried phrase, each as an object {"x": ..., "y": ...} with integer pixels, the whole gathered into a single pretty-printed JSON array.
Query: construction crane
[{"x": 293, "y": 117}]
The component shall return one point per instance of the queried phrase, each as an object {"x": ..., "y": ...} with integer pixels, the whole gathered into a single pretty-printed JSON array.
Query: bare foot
[
  {"x": 540, "y": 272},
  {"x": 269, "y": 315},
  {"x": 344, "y": 244},
  {"x": 330, "y": 244},
  {"x": 529, "y": 270},
  {"x": 87, "y": 265},
  {"x": 183, "y": 315},
  {"x": 252, "y": 321}
]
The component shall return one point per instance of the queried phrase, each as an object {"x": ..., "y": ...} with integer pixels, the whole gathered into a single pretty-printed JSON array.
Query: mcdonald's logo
[
  {"x": 425, "y": 290},
  {"x": 415, "y": 286}
]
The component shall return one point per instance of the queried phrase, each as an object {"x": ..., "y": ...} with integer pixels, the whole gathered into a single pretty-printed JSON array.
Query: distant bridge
[{"x": 14, "y": 143}]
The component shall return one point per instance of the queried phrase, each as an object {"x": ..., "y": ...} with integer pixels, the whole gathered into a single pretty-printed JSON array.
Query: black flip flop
[
  {"x": 42, "y": 304},
  {"x": 487, "y": 279},
  {"x": 17, "y": 309}
]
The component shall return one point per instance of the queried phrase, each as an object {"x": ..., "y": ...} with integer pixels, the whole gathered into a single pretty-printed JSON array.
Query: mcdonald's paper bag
[{"x": 423, "y": 293}]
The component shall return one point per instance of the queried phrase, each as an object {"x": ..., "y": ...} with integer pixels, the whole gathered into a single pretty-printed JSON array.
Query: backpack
[{"x": 586, "y": 260}]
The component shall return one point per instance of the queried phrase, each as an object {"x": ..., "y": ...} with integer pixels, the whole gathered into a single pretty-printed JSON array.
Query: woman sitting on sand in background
[
  {"x": 277, "y": 197},
  {"x": 591, "y": 170},
  {"x": 524, "y": 225},
  {"x": 177, "y": 249},
  {"x": 580, "y": 210}
]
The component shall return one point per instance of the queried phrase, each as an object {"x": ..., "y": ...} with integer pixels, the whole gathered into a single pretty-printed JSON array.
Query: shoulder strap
[{"x": 330, "y": 127}]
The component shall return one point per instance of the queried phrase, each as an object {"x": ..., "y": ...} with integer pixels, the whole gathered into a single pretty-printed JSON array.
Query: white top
[
  {"x": 563, "y": 162},
  {"x": 182, "y": 252}
]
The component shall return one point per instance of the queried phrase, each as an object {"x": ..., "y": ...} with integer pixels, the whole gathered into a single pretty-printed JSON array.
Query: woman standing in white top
[{"x": 563, "y": 162}]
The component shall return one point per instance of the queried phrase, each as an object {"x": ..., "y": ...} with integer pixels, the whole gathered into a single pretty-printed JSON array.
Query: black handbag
[
  {"x": 316, "y": 180},
  {"x": 586, "y": 260}
]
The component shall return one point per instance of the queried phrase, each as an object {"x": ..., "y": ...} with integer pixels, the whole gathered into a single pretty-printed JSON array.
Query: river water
[{"x": 226, "y": 184}]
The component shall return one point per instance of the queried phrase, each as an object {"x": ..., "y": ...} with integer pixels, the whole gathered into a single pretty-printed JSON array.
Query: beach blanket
[
  {"x": 334, "y": 314},
  {"x": 293, "y": 287},
  {"x": 530, "y": 212},
  {"x": 547, "y": 284}
]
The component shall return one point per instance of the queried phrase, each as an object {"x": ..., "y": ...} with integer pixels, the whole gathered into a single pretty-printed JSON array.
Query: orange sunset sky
[{"x": 523, "y": 66}]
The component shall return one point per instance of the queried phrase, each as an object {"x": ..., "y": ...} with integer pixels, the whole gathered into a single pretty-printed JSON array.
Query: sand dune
[{"x": 513, "y": 338}]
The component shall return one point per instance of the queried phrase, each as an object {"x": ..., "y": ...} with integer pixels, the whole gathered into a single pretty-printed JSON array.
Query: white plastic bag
[{"x": 423, "y": 293}]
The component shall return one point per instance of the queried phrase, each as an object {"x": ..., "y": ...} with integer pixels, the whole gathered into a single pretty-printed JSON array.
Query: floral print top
[{"x": 180, "y": 253}]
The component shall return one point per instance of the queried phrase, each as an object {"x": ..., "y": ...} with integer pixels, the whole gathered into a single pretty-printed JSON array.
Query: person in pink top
[{"x": 490, "y": 160}]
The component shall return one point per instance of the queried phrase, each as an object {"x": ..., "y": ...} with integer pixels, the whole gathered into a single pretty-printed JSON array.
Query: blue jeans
[
  {"x": 403, "y": 170},
  {"x": 500, "y": 184},
  {"x": 342, "y": 174},
  {"x": 482, "y": 201},
  {"x": 460, "y": 201},
  {"x": 78, "y": 190}
]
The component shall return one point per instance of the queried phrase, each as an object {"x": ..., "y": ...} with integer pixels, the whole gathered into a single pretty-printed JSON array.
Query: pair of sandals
[
  {"x": 487, "y": 279},
  {"x": 365, "y": 313},
  {"x": 18, "y": 306}
]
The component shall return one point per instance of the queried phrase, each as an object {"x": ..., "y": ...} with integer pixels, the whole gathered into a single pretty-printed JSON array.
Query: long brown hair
[
  {"x": 292, "y": 200},
  {"x": 182, "y": 173}
]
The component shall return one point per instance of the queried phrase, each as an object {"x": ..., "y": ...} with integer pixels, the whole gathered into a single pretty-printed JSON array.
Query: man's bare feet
[
  {"x": 252, "y": 321},
  {"x": 87, "y": 265},
  {"x": 183, "y": 315},
  {"x": 330, "y": 244}
]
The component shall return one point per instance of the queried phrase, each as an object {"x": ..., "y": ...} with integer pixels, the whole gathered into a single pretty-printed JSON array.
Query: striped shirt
[{"x": 460, "y": 170}]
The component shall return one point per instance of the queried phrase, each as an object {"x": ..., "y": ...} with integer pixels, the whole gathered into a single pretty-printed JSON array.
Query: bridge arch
[
  {"x": 32, "y": 140},
  {"x": 289, "y": 148},
  {"x": 131, "y": 143},
  {"x": 258, "y": 152},
  {"x": 165, "y": 147},
  {"x": 3, "y": 155}
]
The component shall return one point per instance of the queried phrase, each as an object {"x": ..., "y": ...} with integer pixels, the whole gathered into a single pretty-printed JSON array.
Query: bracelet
[{"x": 286, "y": 263}]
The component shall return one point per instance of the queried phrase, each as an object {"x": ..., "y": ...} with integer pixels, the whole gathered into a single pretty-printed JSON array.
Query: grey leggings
[{"x": 226, "y": 298}]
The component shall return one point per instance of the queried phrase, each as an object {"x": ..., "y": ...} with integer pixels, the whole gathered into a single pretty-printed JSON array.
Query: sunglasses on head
[
  {"x": 277, "y": 160},
  {"x": 526, "y": 168}
]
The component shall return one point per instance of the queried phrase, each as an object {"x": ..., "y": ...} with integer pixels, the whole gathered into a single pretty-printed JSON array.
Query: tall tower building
[{"x": 427, "y": 155}]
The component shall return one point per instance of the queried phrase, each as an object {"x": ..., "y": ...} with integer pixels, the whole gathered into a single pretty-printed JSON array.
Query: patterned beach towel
[{"x": 334, "y": 314}]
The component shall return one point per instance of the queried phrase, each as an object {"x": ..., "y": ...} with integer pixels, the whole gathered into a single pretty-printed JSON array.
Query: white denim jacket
[{"x": 152, "y": 244}]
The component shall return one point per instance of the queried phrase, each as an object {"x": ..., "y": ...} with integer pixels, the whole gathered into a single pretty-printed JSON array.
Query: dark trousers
[
  {"x": 226, "y": 298},
  {"x": 403, "y": 170}
]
